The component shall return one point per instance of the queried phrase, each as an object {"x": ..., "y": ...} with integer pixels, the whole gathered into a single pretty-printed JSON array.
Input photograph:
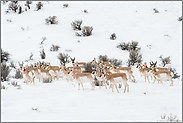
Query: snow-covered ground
[{"x": 61, "y": 100}]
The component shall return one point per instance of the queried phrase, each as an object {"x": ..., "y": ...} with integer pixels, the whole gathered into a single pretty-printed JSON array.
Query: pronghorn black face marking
[
  {"x": 73, "y": 60},
  {"x": 68, "y": 72}
]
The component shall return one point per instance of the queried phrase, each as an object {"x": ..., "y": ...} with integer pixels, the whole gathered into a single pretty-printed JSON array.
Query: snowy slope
[{"x": 61, "y": 101}]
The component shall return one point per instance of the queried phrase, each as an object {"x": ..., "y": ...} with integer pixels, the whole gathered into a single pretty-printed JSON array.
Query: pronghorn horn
[
  {"x": 151, "y": 63},
  {"x": 156, "y": 62}
]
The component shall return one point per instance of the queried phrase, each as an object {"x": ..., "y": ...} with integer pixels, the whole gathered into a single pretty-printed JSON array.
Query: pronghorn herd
[{"x": 103, "y": 71}]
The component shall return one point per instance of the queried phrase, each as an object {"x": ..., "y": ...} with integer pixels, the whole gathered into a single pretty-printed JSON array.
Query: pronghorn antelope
[
  {"x": 44, "y": 72},
  {"x": 84, "y": 77},
  {"x": 153, "y": 65},
  {"x": 145, "y": 65},
  {"x": 78, "y": 63},
  {"x": 27, "y": 75},
  {"x": 106, "y": 64},
  {"x": 34, "y": 69},
  {"x": 144, "y": 71},
  {"x": 66, "y": 73},
  {"x": 100, "y": 77},
  {"x": 162, "y": 75},
  {"x": 114, "y": 79},
  {"x": 55, "y": 69},
  {"x": 125, "y": 69}
]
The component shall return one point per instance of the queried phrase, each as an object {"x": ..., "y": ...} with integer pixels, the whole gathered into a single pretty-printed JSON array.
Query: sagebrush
[
  {"x": 133, "y": 45},
  {"x": 102, "y": 58},
  {"x": 18, "y": 74},
  {"x": 51, "y": 20},
  {"x": 64, "y": 58},
  {"x": 165, "y": 60},
  {"x": 76, "y": 25},
  {"x": 88, "y": 67},
  {"x": 115, "y": 62},
  {"x": 5, "y": 56},
  {"x": 54, "y": 47},
  {"x": 87, "y": 31},
  {"x": 39, "y": 5},
  {"x": 42, "y": 54},
  {"x": 5, "y": 70},
  {"x": 175, "y": 74},
  {"x": 134, "y": 57}
]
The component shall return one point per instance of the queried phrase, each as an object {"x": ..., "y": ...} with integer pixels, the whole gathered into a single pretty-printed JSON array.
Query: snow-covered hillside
[{"x": 61, "y": 100}]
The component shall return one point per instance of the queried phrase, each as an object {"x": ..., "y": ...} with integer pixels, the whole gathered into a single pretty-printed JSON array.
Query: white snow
[{"x": 61, "y": 100}]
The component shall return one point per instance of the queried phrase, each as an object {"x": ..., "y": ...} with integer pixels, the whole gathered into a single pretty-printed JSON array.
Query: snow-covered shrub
[
  {"x": 134, "y": 46},
  {"x": 13, "y": 6},
  {"x": 175, "y": 74},
  {"x": 180, "y": 18},
  {"x": 123, "y": 46},
  {"x": 65, "y": 5},
  {"x": 113, "y": 36},
  {"x": 87, "y": 30},
  {"x": 39, "y": 5},
  {"x": 129, "y": 46},
  {"x": 47, "y": 80},
  {"x": 14, "y": 83},
  {"x": 88, "y": 67},
  {"x": 85, "y": 11},
  {"x": 20, "y": 10},
  {"x": 27, "y": 4},
  {"x": 4, "y": 56},
  {"x": 43, "y": 39},
  {"x": 51, "y": 20},
  {"x": 155, "y": 10},
  {"x": 64, "y": 58},
  {"x": 12, "y": 65},
  {"x": 31, "y": 55},
  {"x": 115, "y": 62},
  {"x": 3, "y": 87},
  {"x": 42, "y": 54},
  {"x": 165, "y": 60},
  {"x": 134, "y": 57},
  {"x": 103, "y": 58},
  {"x": 5, "y": 70},
  {"x": 76, "y": 25},
  {"x": 18, "y": 74},
  {"x": 54, "y": 47}
]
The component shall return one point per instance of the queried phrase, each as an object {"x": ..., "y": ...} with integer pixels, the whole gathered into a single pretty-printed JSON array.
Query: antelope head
[
  {"x": 138, "y": 65},
  {"x": 72, "y": 59},
  {"x": 20, "y": 65}
]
